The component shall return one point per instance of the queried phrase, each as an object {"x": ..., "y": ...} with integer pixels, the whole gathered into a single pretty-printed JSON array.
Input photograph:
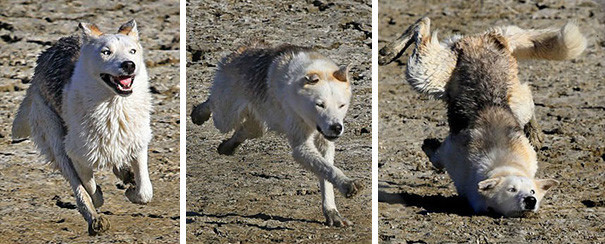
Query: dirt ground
[
  {"x": 420, "y": 205},
  {"x": 36, "y": 204},
  {"x": 260, "y": 194}
]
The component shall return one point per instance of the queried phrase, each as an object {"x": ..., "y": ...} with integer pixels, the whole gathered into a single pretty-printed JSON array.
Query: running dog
[
  {"x": 88, "y": 108},
  {"x": 294, "y": 91},
  {"x": 487, "y": 154}
]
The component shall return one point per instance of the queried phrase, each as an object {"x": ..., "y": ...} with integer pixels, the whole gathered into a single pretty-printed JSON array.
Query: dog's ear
[
  {"x": 546, "y": 184},
  {"x": 342, "y": 74},
  {"x": 89, "y": 31},
  {"x": 129, "y": 29},
  {"x": 488, "y": 185}
]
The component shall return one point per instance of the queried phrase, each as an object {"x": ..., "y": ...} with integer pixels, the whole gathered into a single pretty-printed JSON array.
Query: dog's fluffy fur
[
  {"x": 88, "y": 107},
  {"x": 487, "y": 153},
  {"x": 294, "y": 91}
]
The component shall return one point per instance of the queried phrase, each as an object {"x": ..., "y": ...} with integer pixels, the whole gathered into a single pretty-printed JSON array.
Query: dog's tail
[
  {"x": 21, "y": 129},
  {"x": 201, "y": 113},
  {"x": 552, "y": 44}
]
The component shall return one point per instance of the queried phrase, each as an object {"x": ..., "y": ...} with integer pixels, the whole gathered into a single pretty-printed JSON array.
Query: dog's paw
[
  {"x": 226, "y": 148},
  {"x": 429, "y": 147},
  {"x": 98, "y": 226},
  {"x": 125, "y": 174},
  {"x": 333, "y": 218},
  {"x": 534, "y": 134},
  {"x": 97, "y": 198},
  {"x": 352, "y": 188},
  {"x": 200, "y": 114},
  {"x": 138, "y": 196}
]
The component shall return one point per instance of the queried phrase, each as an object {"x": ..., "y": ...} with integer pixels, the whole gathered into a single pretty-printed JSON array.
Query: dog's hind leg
[
  {"x": 250, "y": 129},
  {"x": 306, "y": 153},
  {"x": 395, "y": 49},
  {"x": 48, "y": 134},
  {"x": 201, "y": 113},
  {"x": 333, "y": 217}
]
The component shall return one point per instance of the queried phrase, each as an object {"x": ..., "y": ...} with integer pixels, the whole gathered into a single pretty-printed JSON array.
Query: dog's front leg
[
  {"x": 333, "y": 217},
  {"x": 87, "y": 179},
  {"x": 305, "y": 153},
  {"x": 142, "y": 192}
]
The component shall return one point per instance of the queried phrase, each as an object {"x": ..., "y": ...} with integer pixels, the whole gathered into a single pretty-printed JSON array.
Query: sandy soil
[
  {"x": 260, "y": 194},
  {"x": 420, "y": 205},
  {"x": 36, "y": 204}
]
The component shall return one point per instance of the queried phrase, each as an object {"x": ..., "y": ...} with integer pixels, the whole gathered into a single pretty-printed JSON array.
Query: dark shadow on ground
[
  {"x": 260, "y": 216},
  {"x": 430, "y": 204}
]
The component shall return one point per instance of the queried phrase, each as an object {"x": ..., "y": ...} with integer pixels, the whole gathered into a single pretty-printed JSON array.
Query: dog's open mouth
[
  {"x": 330, "y": 138},
  {"x": 120, "y": 84}
]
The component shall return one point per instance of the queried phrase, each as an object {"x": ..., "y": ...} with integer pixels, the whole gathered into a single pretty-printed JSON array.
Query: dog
[
  {"x": 294, "y": 91},
  {"x": 488, "y": 153},
  {"x": 88, "y": 108}
]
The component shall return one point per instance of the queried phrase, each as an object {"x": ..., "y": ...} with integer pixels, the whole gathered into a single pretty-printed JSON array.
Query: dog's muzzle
[
  {"x": 121, "y": 84},
  {"x": 529, "y": 203},
  {"x": 333, "y": 128}
]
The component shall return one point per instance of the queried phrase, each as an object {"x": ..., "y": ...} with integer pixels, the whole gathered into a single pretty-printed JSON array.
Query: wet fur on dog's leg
[{"x": 395, "y": 49}]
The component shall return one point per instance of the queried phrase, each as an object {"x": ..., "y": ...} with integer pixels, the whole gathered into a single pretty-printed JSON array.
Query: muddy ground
[
  {"x": 260, "y": 194},
  {"x": 420, "y": 205},
  {"x": 36, "y": 204}
]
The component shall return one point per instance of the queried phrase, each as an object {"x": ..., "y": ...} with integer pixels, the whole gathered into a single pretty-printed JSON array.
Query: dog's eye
[
  {"x": 313, "y": 79},
  {"x": 512, "y": 189},
  {"x": 532, "y": 192},
  {"x": 342, "y": 106},
  {"x": 321, "y": 105},
  {"x": 133, "y": 51},
  {"x": 106, "y": 52}
]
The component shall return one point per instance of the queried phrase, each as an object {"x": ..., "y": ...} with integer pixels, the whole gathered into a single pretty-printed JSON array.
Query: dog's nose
[
  {"x": 530, "y": 202},
  {"x": 128, "y": 67},
  {"x": 336, "y": 128}
]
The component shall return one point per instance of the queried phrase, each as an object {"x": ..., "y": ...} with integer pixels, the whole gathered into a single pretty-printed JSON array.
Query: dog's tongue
[{"x": 125, "y": 80}]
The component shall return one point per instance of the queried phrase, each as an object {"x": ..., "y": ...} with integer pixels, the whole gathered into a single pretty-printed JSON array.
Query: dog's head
[
  {"x": 513, "y": 196},
  {"x": 323, "y": 96},
  {"x": 115, "y": 59}
]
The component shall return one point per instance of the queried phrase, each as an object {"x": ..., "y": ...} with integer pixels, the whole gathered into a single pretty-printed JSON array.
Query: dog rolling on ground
[
  {"x": 294, "y": 91},
  {"x": 487, "y": 153},
  {"x": 88, "y": 107}
]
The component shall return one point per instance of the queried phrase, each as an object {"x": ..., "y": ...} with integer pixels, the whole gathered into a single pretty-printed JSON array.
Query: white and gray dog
[
  {"x": 294, "y": 91},
  {"x": 490, "y": 111},
  {"x": 88, "y": 108}
]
